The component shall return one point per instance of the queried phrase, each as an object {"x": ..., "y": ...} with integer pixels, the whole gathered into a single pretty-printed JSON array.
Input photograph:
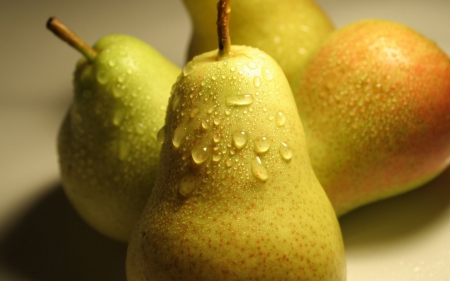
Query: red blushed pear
[{"x": 375, "y": 104}]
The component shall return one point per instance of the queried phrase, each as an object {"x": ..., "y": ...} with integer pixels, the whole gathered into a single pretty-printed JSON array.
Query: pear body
[
  {"x": 375, "y": 102},
  {"x": 288, "y": 30},
  {"x": 235, "y": 196},
  {"x": 107, "y": 144}
]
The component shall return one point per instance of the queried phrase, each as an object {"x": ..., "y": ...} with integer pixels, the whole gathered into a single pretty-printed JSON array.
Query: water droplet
[
  {"x": 285, "y": 151},
  {"x": 118, "y": 117},
  {"x": 205, "y": 124},
  {"x": 121, "y": 79},
  {"x": 233, "y": 68},
  {"x": 217, "y": 157},
  {"x": 188, "y": 69},
  {"x": 217, "y": 138},
  {"x": 262, "y": 144},
  {"x": 252, "y": 65},
  {"x": 112, "y": 63},
  {"x": 161, "y": 134},
  {"x": 118, "y": 90},
  {"x": 240, "y": 139},
  {"x": 267, "y": 73},
  {"x": 246, "y": 99},
  {"x": 227, "y": 111},
  {"x": 258, "y": 170},
  {"x": 280, "y": 119},
  {"x": 187, "y": 185},
  {"x": 214, "y": 78},
  {"x": 194, "y": 112},
  {"x": 257, "y": 81},
  {"x": 228, "y": 163},
  {"x": 179, "y": 135},
  {"x": 217, "y": 121},
  {"x": 200, "y": 154},
  {"x": 102, "y": 76}
]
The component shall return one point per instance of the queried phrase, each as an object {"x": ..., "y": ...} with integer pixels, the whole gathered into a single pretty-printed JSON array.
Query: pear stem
[
  {"x": 223, "y": 30},
  {"x": 67, "y": 35}
]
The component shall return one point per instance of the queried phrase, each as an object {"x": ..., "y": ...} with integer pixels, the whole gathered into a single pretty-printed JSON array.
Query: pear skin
[
  {"x": 288, "y": 30},
  {"x": 235, "y": 196},
  {"x": 107, "y": 144},
  {"x": 375, "y": 103}
]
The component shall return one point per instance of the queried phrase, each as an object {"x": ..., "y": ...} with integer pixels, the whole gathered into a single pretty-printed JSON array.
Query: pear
[
  {"x": 235, "y": 197},
  {"x": 375, "y": 102},
  {"x": 107, "y": 144},
  {"x": 288, "y": 30}
]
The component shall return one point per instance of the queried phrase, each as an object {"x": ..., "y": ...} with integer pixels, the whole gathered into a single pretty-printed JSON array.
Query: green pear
[
  {"x": 288, "y": 30},
  {"x": 235, "y": 197},
  {"x": 107, "y": 144},
  {"x": 375, "y": 102}
]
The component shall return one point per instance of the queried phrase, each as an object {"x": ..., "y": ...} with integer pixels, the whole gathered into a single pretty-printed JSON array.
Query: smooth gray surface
[{"x": 42, "y": 239}]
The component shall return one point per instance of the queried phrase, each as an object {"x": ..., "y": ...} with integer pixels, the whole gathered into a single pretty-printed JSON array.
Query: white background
[{"x": 41, "y": 238}]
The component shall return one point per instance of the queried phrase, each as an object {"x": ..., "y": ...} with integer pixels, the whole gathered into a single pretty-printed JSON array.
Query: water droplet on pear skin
[
  {"x": 280, "y": 119},
  {"x": 262, "y": 144},
  {"x": 102, "y": 77},
  {"x": 118, "y": 117},
  {"x": 267, "y": 73},
  {"x": 257, "y": 81},
  {"x": 161, "y": 134},
  {"x": 258, "y": 170},
  {"x": 179, "y": 135},
  {"x": 200, "y": 154},
  {"x": 187, "y": 185},
  {"x": 240, "y": 100},
  {"x": 240, "y": 139},
  {"x": 188, "y": 69},
  {"x": 285, "y": 151},
  {"x": 124, "y": 149}
]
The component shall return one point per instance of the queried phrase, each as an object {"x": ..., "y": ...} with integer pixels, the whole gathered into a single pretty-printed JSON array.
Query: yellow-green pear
[
  {"x": 107, "y": 144},
  {"x": 235, "y": 197},
  {"x": 375, "y": 103},
  {"x": 288, "y": 30}
]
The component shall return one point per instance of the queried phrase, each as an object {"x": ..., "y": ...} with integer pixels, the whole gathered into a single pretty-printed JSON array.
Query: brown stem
[
  {"x": 67, "y": 35},
  {"x": 223, "y": 30}
]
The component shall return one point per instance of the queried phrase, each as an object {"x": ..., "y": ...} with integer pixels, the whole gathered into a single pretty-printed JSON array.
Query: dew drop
[
  {"x": 188, "y": 69},
  {"x": 258, "y": 170},
  {"x": 217, "y": 157},
  {"x": 194, "y": 112},
  {"x": 241, "y": 100},
  {"x": 200, "y": 154},
  {"x": 214, "y": 78},
  {"x": 227, "y": 111},
  {"x": 187, "y": 185},
  {"x": 280, "y": 119},
  {"x": 257, "y": 81},
  {"x": 102, "y": 77},
  {"x": 161, "y": 134},
  {"x": 118, "y": 90},
  {"x": 205, "y": 124},
  {"x": 217, "y": 138},
  {"x": 118, "y": 117},
  {"x": 285, "y": 151},
  {"x": 233, "y": 68},
  {"x": 240, "y": 139},
  {"x": 121, "y": 79},
  {"x": 252, "y": 65},
  {"x": 262, "y": 144},
  {"x": 217, "y": 121},
  {"x": 228, "y": 163},
  {"x": 267, "y": 73},
  {"x": 179, "y": 135}
]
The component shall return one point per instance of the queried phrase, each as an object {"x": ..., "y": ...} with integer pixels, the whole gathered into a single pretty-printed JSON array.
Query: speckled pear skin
[
  {"x": 375, "y": 103},
  {"x": 107, "y": 144},
  {"x": 288, "y": 30},
  {"x": 235, "y": 197}
]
